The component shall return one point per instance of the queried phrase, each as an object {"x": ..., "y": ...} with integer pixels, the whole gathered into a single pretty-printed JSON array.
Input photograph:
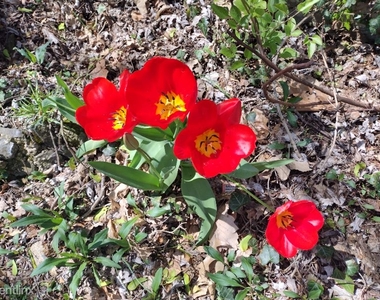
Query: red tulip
[
  {"x": 163, "y": 90},
  {"x": 214, "y": 139},
  {"x": 106, "y": 114},
  {"x": 294, "y": 226}
]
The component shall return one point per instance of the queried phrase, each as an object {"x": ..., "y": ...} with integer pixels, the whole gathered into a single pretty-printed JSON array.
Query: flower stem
[
  {"x": 148, "y": 159},
  {"x": 239, "y": 185}
]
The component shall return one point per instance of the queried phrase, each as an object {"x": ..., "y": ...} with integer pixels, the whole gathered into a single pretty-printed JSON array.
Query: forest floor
[{"x": 336, "y": 162}]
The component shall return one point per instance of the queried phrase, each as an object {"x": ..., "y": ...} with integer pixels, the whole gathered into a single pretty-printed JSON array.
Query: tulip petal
[
  {"x": 277, "y": 239},
  {"x": 230, "y": 110},
  {"x": 158, "y": 78},
  {"x": 304, "y": 237},
  {"x": 240, "y": 140}
]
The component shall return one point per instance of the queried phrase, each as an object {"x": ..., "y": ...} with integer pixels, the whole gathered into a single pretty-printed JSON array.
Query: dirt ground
[{"x": 338, "y": 150}]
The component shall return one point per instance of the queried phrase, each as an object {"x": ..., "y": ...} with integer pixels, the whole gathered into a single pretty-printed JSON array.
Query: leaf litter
[{"x": 102, "y": 39}]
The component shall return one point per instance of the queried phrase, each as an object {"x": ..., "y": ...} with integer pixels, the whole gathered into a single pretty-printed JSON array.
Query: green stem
[
  {"x": 148, "y": 159},
  {"x": 270, "y": 208}
]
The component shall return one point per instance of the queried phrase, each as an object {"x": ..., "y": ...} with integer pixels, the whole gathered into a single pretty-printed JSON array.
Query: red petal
[
  {"x": 277, "y": 239},
  {"x": 203, "y": 115},
  {"x": 239, "y": 140},
  {"x": 124, "y": 77},
  {"x": 101, "y": 94},
  {"x": 160, "y": 75},
  {"x": 303, "y": 237},
  {"x": 230, "y": 111},
  {"x": 305, "y": 210},
  {"x": 183, "y": 143}
]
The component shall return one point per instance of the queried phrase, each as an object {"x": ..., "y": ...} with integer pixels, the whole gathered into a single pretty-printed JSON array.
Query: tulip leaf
[
  {"x": 64, "y": 108},
  {"x": 128, "y": 176},
  {"x": 223, "y": 280},
  {"x": 163, "y": 160},
  {"x": 263, "y": 165},
  {"x": 73, "y": 100},
  {"x": 89, "y": 146},
  {"x": 245, "y": 170},
  {"x": 153, "y": 133},
  {"x": 199, "y": 196},
  {"x": 268, "y": 254}
]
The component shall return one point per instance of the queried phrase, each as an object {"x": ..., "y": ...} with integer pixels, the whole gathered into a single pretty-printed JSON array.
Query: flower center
[
  {"x": 169, "y": 104},
  {"x": 119, "y": 118},
  {"x": 284, "y": 219},
  {"x": 208, "y": 143}
]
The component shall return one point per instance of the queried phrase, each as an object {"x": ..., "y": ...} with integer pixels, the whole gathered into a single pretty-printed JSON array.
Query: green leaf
[
  {"x": 317, "y": 40},
  {"x": 285, "y": 89},
  {"x": 269, "y": 254},
  {"x": 35, "y": 210},
  {"x": 215, "y": 254},
  {"x": 235, "y": 272},
  {"x": 140, "y": 237},
  {"x": 237, "y": 65},
  {"x": 376, "y": 219},
  {"x": 352, "y": 267},
  {"x": 245, "y": 170},
  {"x": 89, "y": 146},
  {"x": 40, "y": 53},
  {"x": 74, "y": 101},
  {"x": 127, "y": 227},
  {"x": 291, "y": 294},
  {"x": 288, "y": 53},
  {"x": 220, "y": 11},
  {"x": 277, "y": 146},
  {"x": 76, "y": 279},
  {"x": 358, "y": 167},
  {"x": 224, "y": 280},
  {"x": 127, "y": 175},
  {"x": 135, "y": 283},
  {"x": 49, "y": 264},
  {"x": 306, "y": 6},
  {"x": 244, "y": 243},
  {"x": 235, "y": 13},
  {"x": 158, "y": 211},
  {"x": 239, "y": 199},
  {"x": 261, "y": 166},
  {"x": 5, "y": 251},
  {"x": 105, "y": 261},
  {"x": 153, "y": 133},
  {"x": 314, "y": 290},
  {"x": 242, "y": 294},
  {"x": 311, "y": 48},
  {"x": 45, "y": 222},
  {"x": 198, "y": 194},
  {"x": 164, "y": 160},
  {"x": 292, "y": 118},
  {"x": 156, "y": 283},
  {"x": 247, "y": 265},
  {"x": 98, "y": 239},
  {"x": 64, "y": 108}
]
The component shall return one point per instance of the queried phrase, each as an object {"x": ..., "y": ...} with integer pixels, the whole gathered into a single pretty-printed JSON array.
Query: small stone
[
  {"x": 10, "y": 132},
  {"x": 8, "y": 149}
]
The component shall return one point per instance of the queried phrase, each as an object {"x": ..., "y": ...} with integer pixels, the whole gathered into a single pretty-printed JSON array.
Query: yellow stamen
[
  {"x": 119, "y": 118},
  {"x": 284, "y": 219},
  {"x": 208, "y": 143},
  {"x": 169, "y": 104}
]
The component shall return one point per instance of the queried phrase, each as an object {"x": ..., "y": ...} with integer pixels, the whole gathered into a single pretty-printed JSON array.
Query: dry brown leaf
[
  {"x": 225, "y": 231},
  {"x": 99, "y": 70},
  {"x": 260, "y": 126}
]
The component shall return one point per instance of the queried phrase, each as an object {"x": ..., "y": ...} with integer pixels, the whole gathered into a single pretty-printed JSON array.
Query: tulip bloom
[
  {"x": 294, "y": 226},
  {"x": 106, "y": 115},
  {"x": 214, "y": 139},
  {"x": 163, "y": 90}
]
